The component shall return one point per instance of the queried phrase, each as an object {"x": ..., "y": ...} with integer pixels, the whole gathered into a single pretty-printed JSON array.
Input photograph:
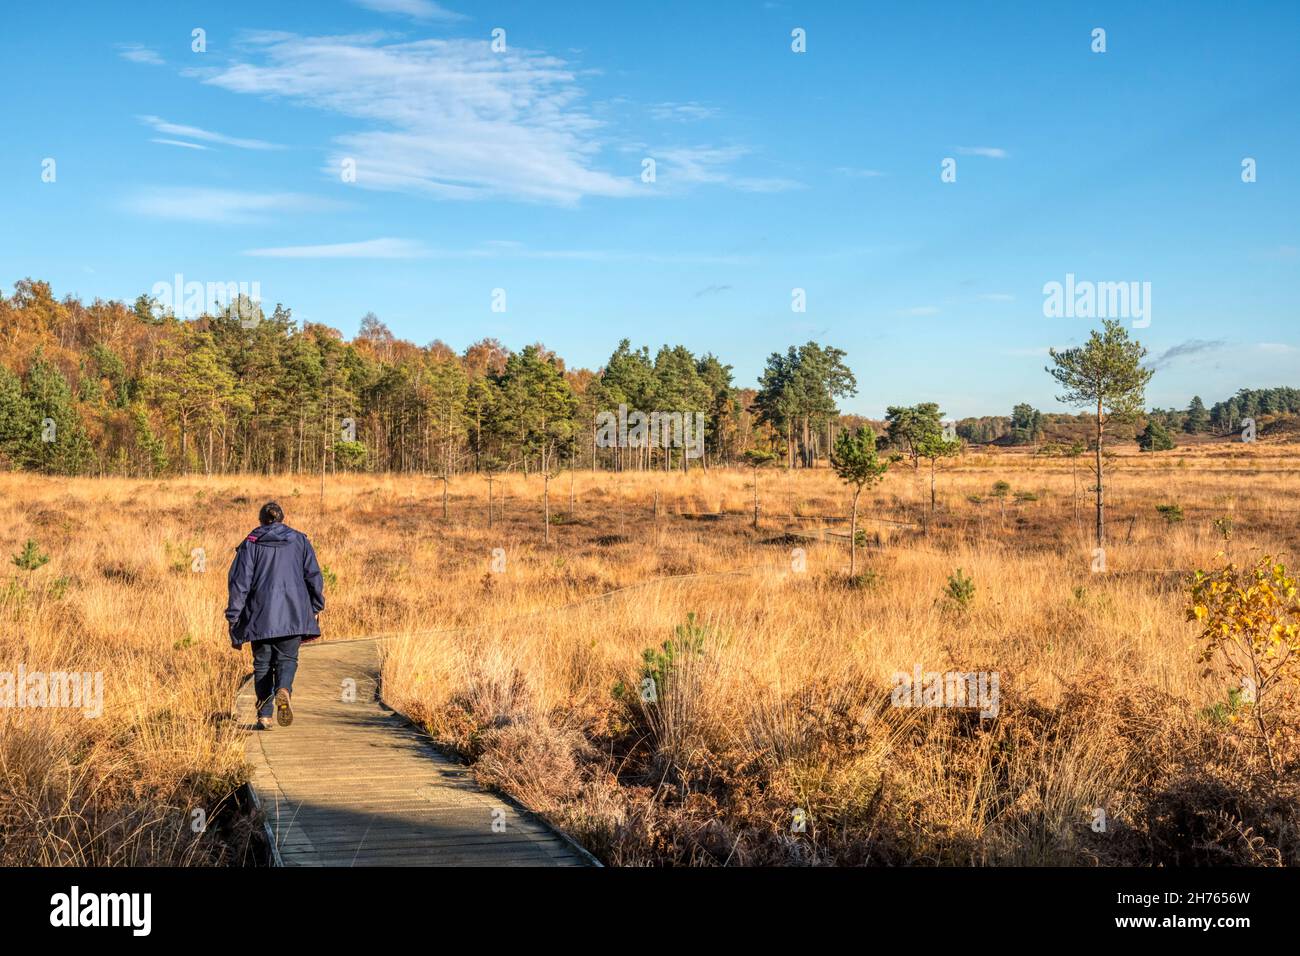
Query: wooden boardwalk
[{"x": 354, "y": 784}]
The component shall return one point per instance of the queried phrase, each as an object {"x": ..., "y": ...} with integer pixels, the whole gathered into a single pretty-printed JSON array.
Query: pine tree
[
  {"x": 933, "y": 447},
  {"x": 1105, "y": 373},
  {"x": 1026, "y": 424},
  {"x": 1155, "y": 437},
  {"x": 59, "y": 444},
  {"x": 909, "y": 427},
  {"x": 797, "y": 393},
  {"x": 30, "y": 557},
  {"x": 17, "y": 422},
  {"x": 855, "y": 462},
  {"x": 444, "y": 392},
  {"x": 1197, "y": 417},
  {"x": 536, "y": 406},
  {"x": 152, "y": 451},
  {"x": 721, "y": 425}
]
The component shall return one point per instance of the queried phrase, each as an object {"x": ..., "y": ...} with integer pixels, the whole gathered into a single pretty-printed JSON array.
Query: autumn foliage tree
[{"x": 1251, "y": 617}]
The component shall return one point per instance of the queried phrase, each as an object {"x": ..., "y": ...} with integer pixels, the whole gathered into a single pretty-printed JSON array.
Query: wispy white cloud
[
  {"x": 367, "y": 249},
  {"x": 763, "y": 184},
  {"x": 997, "y": 296},
  {"x": 139, "y": 53},
  {"x": 683, "y": 112},
  {"x": 696, "y": 165},
  {"x": 856, "y": 173},
  {"x": 451, "y": 119},
  {"x": 389, "y": 248},
  {"x": 221, "y": 206},
  {"x": 699, "y": 164},
  {"x": 989, "y": 152},
  {"x": 445, "y": 118},
  {"x": 415, "y": 9},
  {"x": 611, "y": 255},
  {"x": 162, "y": 126},
  {"x": 177, "y": 142}
]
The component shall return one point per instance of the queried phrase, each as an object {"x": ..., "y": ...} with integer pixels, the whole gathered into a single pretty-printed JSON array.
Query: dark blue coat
[{"x": 276, "y": 589}]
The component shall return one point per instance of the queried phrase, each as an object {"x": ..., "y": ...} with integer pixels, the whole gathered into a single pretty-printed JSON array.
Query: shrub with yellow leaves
[{"x": 1251, "y": 616}]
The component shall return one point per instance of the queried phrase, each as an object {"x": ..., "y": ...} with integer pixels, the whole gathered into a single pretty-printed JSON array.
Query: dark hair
[{"x": 270, "y": 513}]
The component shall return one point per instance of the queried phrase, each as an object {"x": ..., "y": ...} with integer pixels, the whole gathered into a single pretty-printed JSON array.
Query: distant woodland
[{"x": 116, "y": 389}]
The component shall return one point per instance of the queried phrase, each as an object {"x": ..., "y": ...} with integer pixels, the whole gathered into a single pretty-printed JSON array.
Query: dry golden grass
[{"x": 531, "y": 674}]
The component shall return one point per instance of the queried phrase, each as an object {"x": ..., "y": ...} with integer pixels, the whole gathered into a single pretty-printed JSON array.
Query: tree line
[{"x": 107, "y": 388}]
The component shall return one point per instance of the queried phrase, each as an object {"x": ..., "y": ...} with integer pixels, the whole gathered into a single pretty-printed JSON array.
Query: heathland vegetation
[
  {"x": 1148, "y": 710},
  {"x": 1114, "y": 741}
]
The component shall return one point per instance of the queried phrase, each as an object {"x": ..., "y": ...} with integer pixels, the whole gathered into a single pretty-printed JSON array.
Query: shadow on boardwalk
[{"x": 352, "y": 783}]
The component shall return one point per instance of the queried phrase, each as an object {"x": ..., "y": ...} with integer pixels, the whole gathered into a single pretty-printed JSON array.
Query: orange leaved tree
[{"x": 1252, "y": 617}]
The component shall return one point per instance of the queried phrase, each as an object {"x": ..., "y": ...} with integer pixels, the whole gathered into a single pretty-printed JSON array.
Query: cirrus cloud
[
  {"x": 449, "y": 119},
  {"x": 452, "y": 119},
  {"x": 220, "y": 206},
  {"x": 139, "y": 53},
  {"x": 160, "y": 125},
  {"x": 366, "y": 249},
  {"x": 415, "y": 9},
  {"x": 988, "y": 152}
]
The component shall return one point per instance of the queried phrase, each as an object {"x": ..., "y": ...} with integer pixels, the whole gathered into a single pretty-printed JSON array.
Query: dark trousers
[{"x": 274, "y": 664}]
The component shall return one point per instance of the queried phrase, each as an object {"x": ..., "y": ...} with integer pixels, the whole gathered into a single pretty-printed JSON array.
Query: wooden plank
[{"x": 350, "y": 783}]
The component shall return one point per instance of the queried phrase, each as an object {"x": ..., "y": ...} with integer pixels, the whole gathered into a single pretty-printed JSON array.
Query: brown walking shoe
[{"x": 283, "y": 712}]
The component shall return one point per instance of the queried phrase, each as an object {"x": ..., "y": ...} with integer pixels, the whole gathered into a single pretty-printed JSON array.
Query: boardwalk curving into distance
[{"x": 351, "y": 783}]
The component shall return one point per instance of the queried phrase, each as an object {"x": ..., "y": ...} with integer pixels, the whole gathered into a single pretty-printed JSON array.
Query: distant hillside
[{"x": 1276, "y": 412}]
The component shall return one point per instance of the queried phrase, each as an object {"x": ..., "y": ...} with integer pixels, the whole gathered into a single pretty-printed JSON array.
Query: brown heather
[{"x": 779, "y": 694}]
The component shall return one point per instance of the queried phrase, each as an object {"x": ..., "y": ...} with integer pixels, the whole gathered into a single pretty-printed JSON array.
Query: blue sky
[{"x": 522, "y": 170}]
